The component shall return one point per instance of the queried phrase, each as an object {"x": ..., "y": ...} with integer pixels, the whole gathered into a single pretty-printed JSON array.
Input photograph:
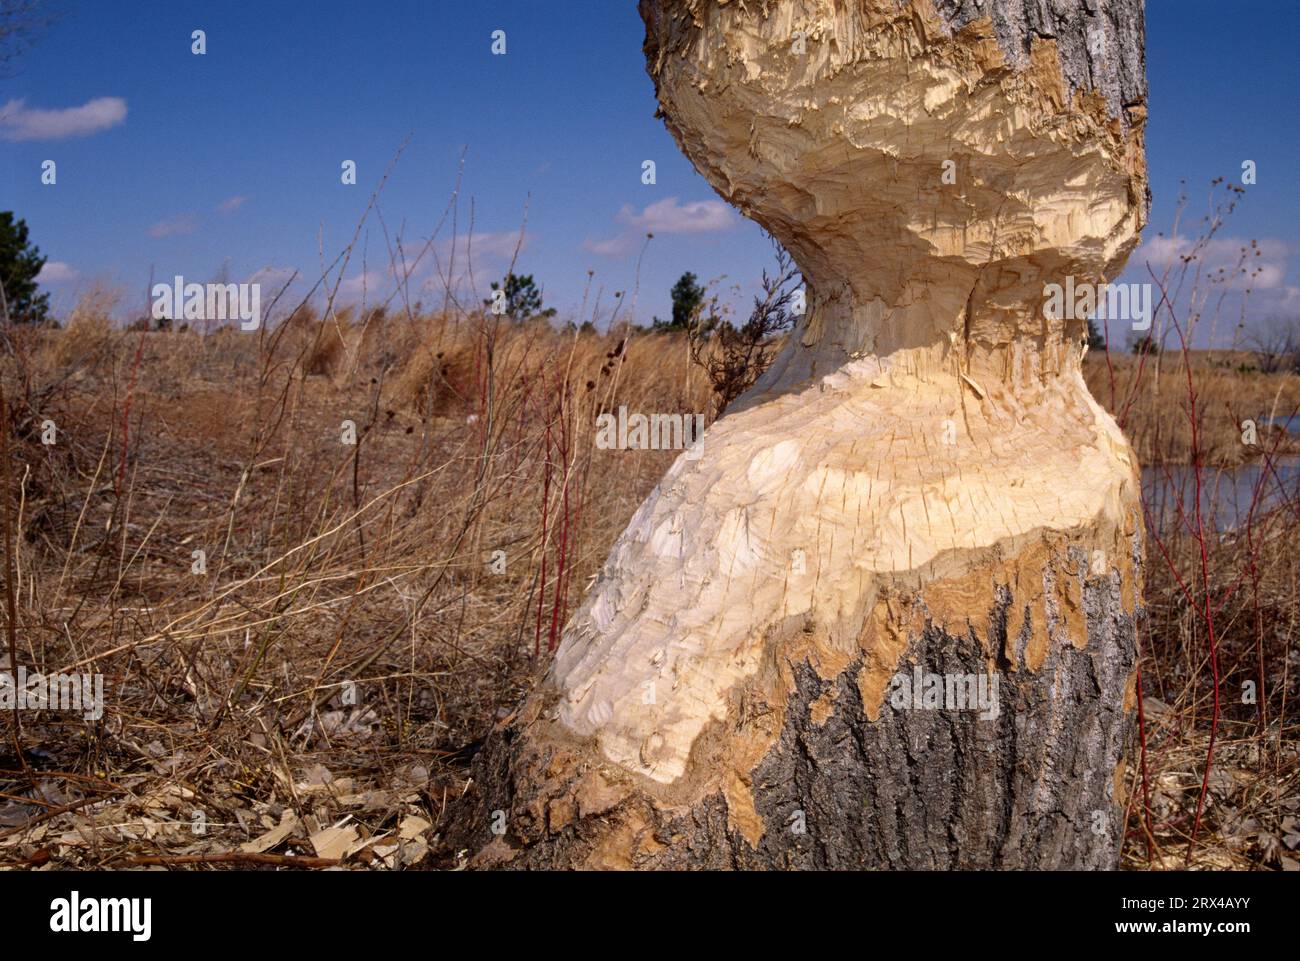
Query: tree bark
[{"x": 887, "y": 617}]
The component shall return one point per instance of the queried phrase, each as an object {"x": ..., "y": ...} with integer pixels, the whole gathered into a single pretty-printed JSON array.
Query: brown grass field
[{"x": 314, "y": 694}]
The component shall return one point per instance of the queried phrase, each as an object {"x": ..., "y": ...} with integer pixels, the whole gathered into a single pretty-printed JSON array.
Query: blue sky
[{"x": 185, "y": 163}]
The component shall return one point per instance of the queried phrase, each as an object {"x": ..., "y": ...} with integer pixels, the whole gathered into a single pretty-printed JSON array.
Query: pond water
[
  {"x": 1290, "y": 422},
  {"x": 1226, "y": 492}
]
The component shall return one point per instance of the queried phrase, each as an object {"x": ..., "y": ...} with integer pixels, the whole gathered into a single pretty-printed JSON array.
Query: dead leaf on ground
[
  {"x": 334, "y": 842},
  {"x": 272, "y": 838}
]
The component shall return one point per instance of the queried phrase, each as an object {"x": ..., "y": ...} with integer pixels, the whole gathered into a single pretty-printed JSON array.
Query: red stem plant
[{"x": 1196, "y": 557}]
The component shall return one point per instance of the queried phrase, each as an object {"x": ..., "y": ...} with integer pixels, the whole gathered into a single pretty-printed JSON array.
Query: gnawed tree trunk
[{"x": 920, "y": 497}]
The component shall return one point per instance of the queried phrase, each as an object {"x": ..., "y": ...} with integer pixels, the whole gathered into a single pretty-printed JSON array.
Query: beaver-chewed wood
[{"x": 886, "y": 616}]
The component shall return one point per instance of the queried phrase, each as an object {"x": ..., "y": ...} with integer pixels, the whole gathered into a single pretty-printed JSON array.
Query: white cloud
[
  {"x": 491, "y": 252},
  {"x": 1212, "y": 288},
  {"x": 665, "y": 216},
  {"x": 1288, "y": 299},
  {"x": 619, "y": 246},
  {"x": 271, "y": 277},
  {"x": 231, "y": 204},
  {"x": 179, "y": 226},
  {"x": 17, "y": 122},
  {"x": 668, "y": 217},
  {"x": 370, "y": 283},
  {"x": 482, "y": 257},
  {"x": 1221, "y": 259},
  {"x": 499, "y": 245},
  {"x": 497, "y": 249},
  {"x": 56, "y": 272}
]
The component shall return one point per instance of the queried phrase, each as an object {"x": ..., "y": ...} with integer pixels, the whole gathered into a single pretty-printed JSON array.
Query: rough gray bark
[
  {"x": 1101, "y": 43},
  {"x": 914, "y": 789},
  {"x": 946, "y": 790}
]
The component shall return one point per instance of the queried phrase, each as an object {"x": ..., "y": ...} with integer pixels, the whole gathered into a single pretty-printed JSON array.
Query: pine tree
[{"x": 20, "y": 262}]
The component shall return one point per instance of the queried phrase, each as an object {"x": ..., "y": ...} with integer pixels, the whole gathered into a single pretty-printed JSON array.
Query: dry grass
[
  {"x": 1150, "y": 395},
  {"x": 348, "y": 643}
]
